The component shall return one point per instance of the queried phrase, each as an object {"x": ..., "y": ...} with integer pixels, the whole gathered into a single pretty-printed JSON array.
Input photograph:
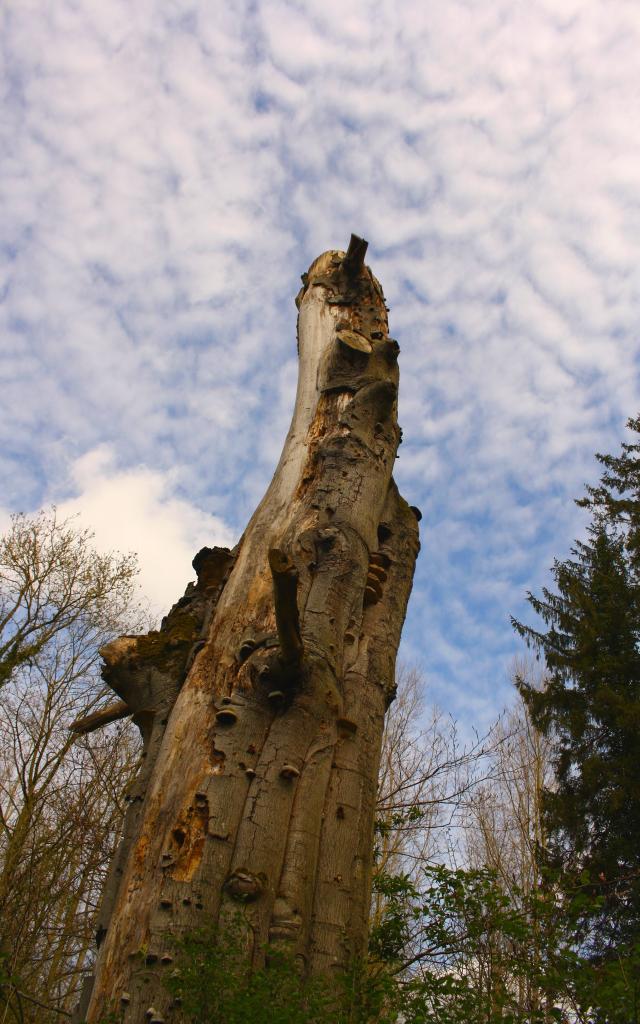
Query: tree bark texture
[{"x": 262, "y": 698}]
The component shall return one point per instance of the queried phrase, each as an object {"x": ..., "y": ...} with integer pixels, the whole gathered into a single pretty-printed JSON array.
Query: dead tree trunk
[{"x": 261, "y": 700}]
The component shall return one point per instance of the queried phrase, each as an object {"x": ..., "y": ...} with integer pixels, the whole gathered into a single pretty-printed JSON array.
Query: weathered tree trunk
[{"x": 261, "y": 700}]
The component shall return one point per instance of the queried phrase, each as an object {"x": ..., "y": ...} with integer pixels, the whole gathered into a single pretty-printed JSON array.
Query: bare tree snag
[{"x": 262, "y": 699}]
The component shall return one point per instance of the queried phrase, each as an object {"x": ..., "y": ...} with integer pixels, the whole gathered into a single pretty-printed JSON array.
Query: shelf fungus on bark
[
  {"x": 276, "y": 696},
  {"x": 226, "y": 716},
  {"x": 286, "y": 922},
  {"x": 374, "y": 585},
  {"x": 379, "y": 564},
  {"x": 354, "y": 340},
  {"x": 377, "y": 572},
  {"x": 245, "y": 886}
]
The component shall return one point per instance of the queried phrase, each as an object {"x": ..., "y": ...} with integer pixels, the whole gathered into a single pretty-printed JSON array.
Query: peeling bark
[{"x": 261, "y": 700}]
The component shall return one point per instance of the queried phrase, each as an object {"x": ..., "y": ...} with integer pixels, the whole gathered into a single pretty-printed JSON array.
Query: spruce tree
[
  {"x": 591, "y": 709},
  {"x": 615, "y": 500}
]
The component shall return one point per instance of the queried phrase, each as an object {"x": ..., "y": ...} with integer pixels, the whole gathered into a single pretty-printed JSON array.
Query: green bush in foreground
[
  {"x": 214, "y": 984},
  {"x": 457, "y": 950}
]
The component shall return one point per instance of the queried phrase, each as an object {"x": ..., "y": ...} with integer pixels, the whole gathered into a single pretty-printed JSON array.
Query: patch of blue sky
[{"x": 263, "y": 102}]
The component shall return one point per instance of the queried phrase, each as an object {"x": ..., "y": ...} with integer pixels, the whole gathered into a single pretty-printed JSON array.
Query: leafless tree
[
  {"x": 60, "y": 600},
  {"x": 60, "y": 795},
  {"x": 428, "y": 784},
  {"x": 504, "y": 827}
]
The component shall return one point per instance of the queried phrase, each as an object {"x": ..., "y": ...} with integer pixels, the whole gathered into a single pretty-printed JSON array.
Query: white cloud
[{"x": 136, "y": 510}]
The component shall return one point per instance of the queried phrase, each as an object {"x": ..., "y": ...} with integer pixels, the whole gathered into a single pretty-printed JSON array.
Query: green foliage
[
  {"x": 591, "y": 708},
  {"x": 390, "y": 938},
  {"x": 608, "y": 990},
  {"x": 214, "y": 983},
  {"x": 471, "y": 953},
  {"x": 456, "y": 950},
  {"x": 615, "y": 500},
  {"x": 474, "y": 954}
]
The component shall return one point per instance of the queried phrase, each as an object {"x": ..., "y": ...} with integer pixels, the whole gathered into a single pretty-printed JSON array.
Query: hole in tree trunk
[{"x": 383, "y": 533}]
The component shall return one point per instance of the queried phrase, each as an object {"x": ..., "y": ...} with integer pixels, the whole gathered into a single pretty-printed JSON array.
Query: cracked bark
[{"x": 262, "y": 699}]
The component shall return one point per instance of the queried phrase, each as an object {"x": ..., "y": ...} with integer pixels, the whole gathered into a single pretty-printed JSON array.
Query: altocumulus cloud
[{"x": 170, "y": 168}]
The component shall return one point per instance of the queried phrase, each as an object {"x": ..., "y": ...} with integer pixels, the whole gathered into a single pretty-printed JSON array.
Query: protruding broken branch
[
  {"x": 112, "y": 713},
  {"x": 285, "y": 596},
  {"x": 354, "y": 260}
]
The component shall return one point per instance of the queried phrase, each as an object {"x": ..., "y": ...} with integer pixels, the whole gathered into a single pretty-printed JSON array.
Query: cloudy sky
[{"x": 168, "y": 169}]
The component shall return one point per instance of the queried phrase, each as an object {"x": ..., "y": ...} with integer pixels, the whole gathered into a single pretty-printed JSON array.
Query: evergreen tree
[
  {"x": 616, "y": 499},
  {"x": 591, "y": 708}
]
